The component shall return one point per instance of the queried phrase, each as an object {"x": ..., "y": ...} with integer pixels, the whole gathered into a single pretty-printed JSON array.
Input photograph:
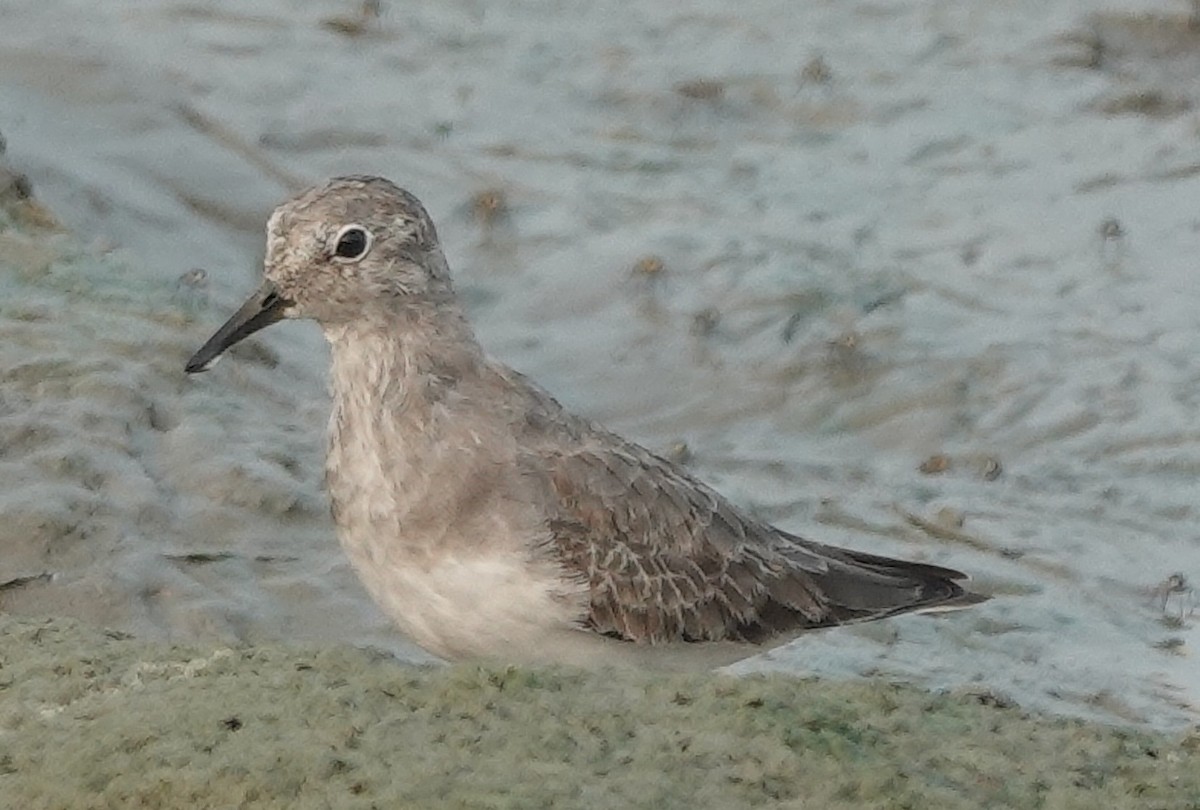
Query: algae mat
[{"x": 94, "y": 719}]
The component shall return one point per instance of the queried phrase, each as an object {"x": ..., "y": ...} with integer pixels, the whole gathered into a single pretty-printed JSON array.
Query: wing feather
[{"x": 666, "y": 558}]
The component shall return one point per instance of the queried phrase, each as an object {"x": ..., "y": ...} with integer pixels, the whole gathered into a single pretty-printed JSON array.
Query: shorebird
[{"x": 485, "y": 519}]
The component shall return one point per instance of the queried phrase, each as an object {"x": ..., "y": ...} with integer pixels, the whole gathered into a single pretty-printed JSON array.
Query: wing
[{"x": 666, "y": 558}]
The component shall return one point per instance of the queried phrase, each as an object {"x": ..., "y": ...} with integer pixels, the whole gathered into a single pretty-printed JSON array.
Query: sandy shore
[{"x": 95, "y": 719}]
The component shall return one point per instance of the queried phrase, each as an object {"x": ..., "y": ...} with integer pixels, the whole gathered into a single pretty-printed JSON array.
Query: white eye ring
[{"x": 352, "y": 243}]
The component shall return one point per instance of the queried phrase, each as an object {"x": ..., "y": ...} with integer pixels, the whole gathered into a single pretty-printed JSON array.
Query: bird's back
[{"x": 666, "y": 558}]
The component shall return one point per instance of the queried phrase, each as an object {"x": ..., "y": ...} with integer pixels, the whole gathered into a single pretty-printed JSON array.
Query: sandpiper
[{"x": 486, "y": 520}]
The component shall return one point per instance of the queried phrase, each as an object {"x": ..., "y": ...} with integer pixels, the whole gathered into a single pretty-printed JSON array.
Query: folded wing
[{"x": 666, "y": 558}]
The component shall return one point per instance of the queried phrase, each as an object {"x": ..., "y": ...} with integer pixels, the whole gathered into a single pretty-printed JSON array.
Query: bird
[{"x": 486, "y": 520}]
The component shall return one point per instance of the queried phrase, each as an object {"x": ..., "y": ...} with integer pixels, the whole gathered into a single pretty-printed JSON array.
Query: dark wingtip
[{"x": 959, "y": 601}]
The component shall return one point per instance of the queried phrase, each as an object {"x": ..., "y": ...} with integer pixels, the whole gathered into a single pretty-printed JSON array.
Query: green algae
[{"x": 89, "y": 719}]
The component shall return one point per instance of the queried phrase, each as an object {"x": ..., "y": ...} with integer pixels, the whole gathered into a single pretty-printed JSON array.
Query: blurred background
[{"x": 913, "y": 277}]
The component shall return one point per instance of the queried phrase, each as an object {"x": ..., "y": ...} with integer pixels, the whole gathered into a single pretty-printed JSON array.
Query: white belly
[{"x": 457, "y": 608}]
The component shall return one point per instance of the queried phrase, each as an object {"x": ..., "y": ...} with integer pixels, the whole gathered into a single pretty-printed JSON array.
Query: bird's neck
[
  {"x": 397, "y": 382},
  {"x": 408, "y": 358}
]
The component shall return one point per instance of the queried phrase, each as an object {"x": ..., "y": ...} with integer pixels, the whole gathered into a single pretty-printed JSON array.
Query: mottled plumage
[{"x": 488, "y": 521}]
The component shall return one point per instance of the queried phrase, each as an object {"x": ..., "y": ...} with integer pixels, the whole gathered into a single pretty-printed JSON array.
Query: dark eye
[{"x": 353, "y": 242}]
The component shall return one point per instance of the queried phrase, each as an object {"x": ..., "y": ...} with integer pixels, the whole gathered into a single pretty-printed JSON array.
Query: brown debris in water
[
  {"x": 363, "y": 21},
  {"x": 489, "y": 207},
  {"x": 701, "y": 89},
  {"x": 935, "y": 464}
]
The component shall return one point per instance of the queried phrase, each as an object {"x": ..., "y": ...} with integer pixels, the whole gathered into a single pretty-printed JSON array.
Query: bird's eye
[{"x": 353, "y": 242}]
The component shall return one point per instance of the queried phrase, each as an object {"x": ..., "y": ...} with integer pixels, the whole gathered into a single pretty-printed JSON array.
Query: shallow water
[{"x": 818, "y": 245}]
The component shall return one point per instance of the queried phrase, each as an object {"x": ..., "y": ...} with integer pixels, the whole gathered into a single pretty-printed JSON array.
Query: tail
[{"x": 860, "y": 587}]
